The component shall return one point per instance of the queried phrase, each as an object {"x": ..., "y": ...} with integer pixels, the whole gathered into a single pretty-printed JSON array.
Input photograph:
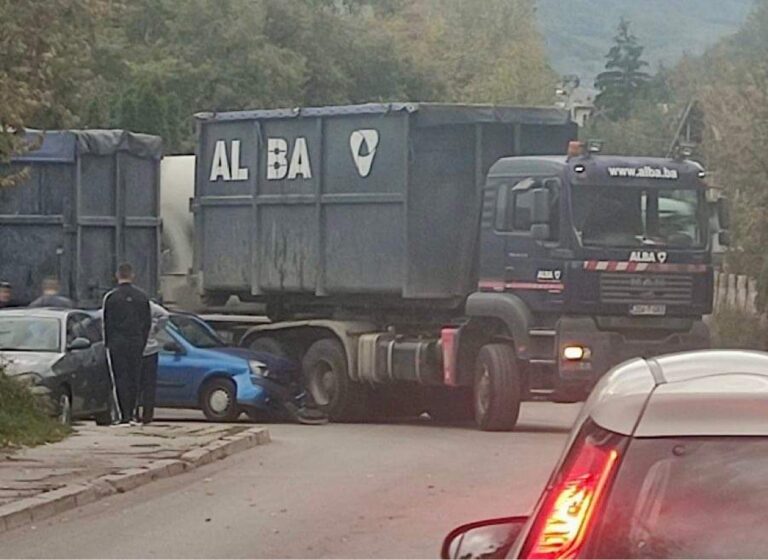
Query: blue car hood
[{"x": 270, "y": 360}]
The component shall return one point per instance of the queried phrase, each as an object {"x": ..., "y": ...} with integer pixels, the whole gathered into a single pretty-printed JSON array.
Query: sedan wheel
[{"x": 219, "y": 401}]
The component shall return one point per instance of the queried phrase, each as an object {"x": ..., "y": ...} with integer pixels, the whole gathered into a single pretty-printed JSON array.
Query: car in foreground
[
  {"x": 668, "y": 459},
  {"x": 60, "y": 356},
  {"x": 196, "y": 369}
]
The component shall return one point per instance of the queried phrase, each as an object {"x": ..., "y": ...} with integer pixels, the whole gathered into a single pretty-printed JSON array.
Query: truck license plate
[{"x": 645, "y": 309}]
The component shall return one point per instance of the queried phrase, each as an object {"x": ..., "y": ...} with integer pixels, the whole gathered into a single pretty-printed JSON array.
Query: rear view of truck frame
[{"x": 425, "y": 257}]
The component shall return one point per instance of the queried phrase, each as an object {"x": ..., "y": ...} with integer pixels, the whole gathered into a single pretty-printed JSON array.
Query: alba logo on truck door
[{"x": 278, "y": 164}]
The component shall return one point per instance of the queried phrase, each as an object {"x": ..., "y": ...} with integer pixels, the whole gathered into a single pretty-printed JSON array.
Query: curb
[{"x": 29, "y": 510}]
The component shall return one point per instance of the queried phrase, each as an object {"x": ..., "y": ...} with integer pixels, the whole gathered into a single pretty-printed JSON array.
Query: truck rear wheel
[
  {"x": 496, "y": 388},
  {"x": 325, "y": 373}
]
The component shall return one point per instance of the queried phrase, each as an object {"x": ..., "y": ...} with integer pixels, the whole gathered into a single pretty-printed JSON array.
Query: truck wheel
[
  {"x": 269, "y": 345},
  {"x": 218, "y": 401},
  {"x": 325, "y": 373},
  {"x": 497, "y": 388}
]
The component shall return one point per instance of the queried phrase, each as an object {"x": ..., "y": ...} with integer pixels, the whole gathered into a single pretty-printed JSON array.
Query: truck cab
[{"x": 610, "y": 256}]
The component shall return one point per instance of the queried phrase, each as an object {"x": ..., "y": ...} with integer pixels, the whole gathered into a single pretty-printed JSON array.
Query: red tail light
[{"x": 565, "y": 517}]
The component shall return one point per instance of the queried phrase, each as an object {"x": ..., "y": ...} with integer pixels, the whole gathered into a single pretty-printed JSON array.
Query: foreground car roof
[
  {"x": 36, "y": 312},
  {"x": 712, "y": 392}
]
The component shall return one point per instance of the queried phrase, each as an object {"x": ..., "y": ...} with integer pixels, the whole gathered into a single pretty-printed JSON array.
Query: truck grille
[{"x": 669, "y": 289}]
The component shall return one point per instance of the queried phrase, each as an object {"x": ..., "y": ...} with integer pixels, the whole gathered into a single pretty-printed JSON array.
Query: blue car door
[{"x": 179, "y": 371}]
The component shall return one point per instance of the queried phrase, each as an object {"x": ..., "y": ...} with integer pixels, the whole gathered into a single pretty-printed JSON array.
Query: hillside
[{"x": 579, "y": 32}]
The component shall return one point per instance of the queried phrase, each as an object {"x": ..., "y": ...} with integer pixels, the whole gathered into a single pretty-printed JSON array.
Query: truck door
[{"x": 528, "y": 217}]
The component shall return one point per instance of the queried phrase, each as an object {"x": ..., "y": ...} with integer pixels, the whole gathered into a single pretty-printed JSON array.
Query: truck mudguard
[{"x": 509, "y": 309}]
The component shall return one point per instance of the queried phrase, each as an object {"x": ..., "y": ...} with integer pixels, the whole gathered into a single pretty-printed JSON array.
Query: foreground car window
[
  {"x": 29, "y": 334},
  {"x": 690, "y": 497}
]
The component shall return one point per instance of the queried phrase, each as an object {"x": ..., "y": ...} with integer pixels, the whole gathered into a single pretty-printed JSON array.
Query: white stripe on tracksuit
[{"x": 115, "y": 400}]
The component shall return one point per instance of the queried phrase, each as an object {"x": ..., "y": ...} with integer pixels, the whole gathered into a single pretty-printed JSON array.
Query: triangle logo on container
[{"x": 363, "y": 144}]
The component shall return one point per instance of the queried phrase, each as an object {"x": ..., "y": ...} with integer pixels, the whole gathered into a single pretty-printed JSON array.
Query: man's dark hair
[{"x": 125, "y": 271}]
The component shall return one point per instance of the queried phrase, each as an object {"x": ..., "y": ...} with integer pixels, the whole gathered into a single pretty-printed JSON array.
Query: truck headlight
[{"x": 258, "y": 369}]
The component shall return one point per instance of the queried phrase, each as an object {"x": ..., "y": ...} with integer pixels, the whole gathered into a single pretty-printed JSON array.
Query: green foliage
[
  {"x": 41, "y": 68},
  {"x": 736, "y": 329},
  {"x": 272, "y": 53},
  {"x": 22, "y": 420},
  {"x": 150, "y": 65},
  {"x": 578, "y": 32},
  {"x": 623, "y": 80}
]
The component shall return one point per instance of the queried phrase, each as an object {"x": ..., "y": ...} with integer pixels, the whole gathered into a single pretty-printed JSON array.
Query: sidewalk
[{"x": 96, "y": 461}]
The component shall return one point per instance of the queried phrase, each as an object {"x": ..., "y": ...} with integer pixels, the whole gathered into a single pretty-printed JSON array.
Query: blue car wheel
[{"x": 218, "y": 399}]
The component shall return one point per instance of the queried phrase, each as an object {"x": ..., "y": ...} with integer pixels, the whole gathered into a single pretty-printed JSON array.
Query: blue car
[{"x": 197, "y": 369}]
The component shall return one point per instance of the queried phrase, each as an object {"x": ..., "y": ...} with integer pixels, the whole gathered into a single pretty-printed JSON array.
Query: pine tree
[{"x": 623, "y": 80}]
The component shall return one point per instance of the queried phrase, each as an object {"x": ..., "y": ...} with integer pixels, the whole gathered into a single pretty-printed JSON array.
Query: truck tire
[
  {"x": 267, "y": 344},
  {"x": 497, "y": 388},
  {"x": 325, "y": 374}
]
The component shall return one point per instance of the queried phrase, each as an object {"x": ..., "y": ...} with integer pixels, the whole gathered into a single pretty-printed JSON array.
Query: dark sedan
[{"x": 59, "y": 353}]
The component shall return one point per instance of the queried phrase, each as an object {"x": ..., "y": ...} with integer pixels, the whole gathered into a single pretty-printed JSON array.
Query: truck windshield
[{"x": 632, "y": 217}]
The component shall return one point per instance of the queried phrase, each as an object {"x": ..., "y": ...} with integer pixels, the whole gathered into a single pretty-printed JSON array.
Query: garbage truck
[{"x": 453, "y": 259}]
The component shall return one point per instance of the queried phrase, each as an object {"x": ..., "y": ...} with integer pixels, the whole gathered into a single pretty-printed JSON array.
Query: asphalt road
[{"x": 352, "y": 491}]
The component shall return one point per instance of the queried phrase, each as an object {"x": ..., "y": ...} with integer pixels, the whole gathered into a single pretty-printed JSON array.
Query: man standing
[
  {"x": 127, "y": 322},
  {"x": 148, "y": 383},
  {"x": 51, "y": 296},
  {"x": 6, "y": 295}
]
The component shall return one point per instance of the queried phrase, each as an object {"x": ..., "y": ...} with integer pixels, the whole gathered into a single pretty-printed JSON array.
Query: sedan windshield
[
  {"x": 695, "y": 497},
  {"x": 633, "y": 217},
  {"x": 29, "y": 334},
  {"x": 195, "y": 332}
]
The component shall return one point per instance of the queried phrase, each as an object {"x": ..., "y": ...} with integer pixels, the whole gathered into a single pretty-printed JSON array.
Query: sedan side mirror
[
  {"x": 80, "y": 343},
  {"x": 492, "y": 538},
  {"x": 173, "y": 347}
]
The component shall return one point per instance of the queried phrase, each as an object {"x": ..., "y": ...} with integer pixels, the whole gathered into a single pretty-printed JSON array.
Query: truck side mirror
[
  {"x": 724, "y": 238},
  {"x": 723, "y": 213}
]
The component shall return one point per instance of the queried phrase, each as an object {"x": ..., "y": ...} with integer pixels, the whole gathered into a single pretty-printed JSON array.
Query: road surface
[{"x": 341, "y": 491}]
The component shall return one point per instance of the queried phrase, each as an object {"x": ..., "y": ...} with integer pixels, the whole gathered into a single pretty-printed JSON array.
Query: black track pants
[{"x": 125, "y": 366}]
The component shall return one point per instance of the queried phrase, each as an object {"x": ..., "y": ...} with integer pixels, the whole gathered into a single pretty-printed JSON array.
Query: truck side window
[{"x": 519, "y": 211}]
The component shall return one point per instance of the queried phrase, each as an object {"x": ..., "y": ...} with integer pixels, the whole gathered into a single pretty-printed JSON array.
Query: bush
[
  {"x": 22, "y": 418},
  {"x": 736, "y": 329}
]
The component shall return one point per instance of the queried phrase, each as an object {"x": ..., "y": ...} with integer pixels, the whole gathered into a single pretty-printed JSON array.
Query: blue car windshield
[{"x": 195, "y": 332}]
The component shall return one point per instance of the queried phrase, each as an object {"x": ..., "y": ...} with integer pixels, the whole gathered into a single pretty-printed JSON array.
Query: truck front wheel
[
  {"x": 325, "y": 373},
  {"x": 497, "y": 388}
]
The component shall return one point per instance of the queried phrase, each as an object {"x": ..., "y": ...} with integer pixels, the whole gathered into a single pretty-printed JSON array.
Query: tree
[
  {"x": 44, "y": 64},
  {"x": 623, "y": 80}
]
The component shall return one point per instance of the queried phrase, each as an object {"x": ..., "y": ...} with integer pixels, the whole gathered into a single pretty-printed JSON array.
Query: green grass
[{"x": 23, "y": 422}]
